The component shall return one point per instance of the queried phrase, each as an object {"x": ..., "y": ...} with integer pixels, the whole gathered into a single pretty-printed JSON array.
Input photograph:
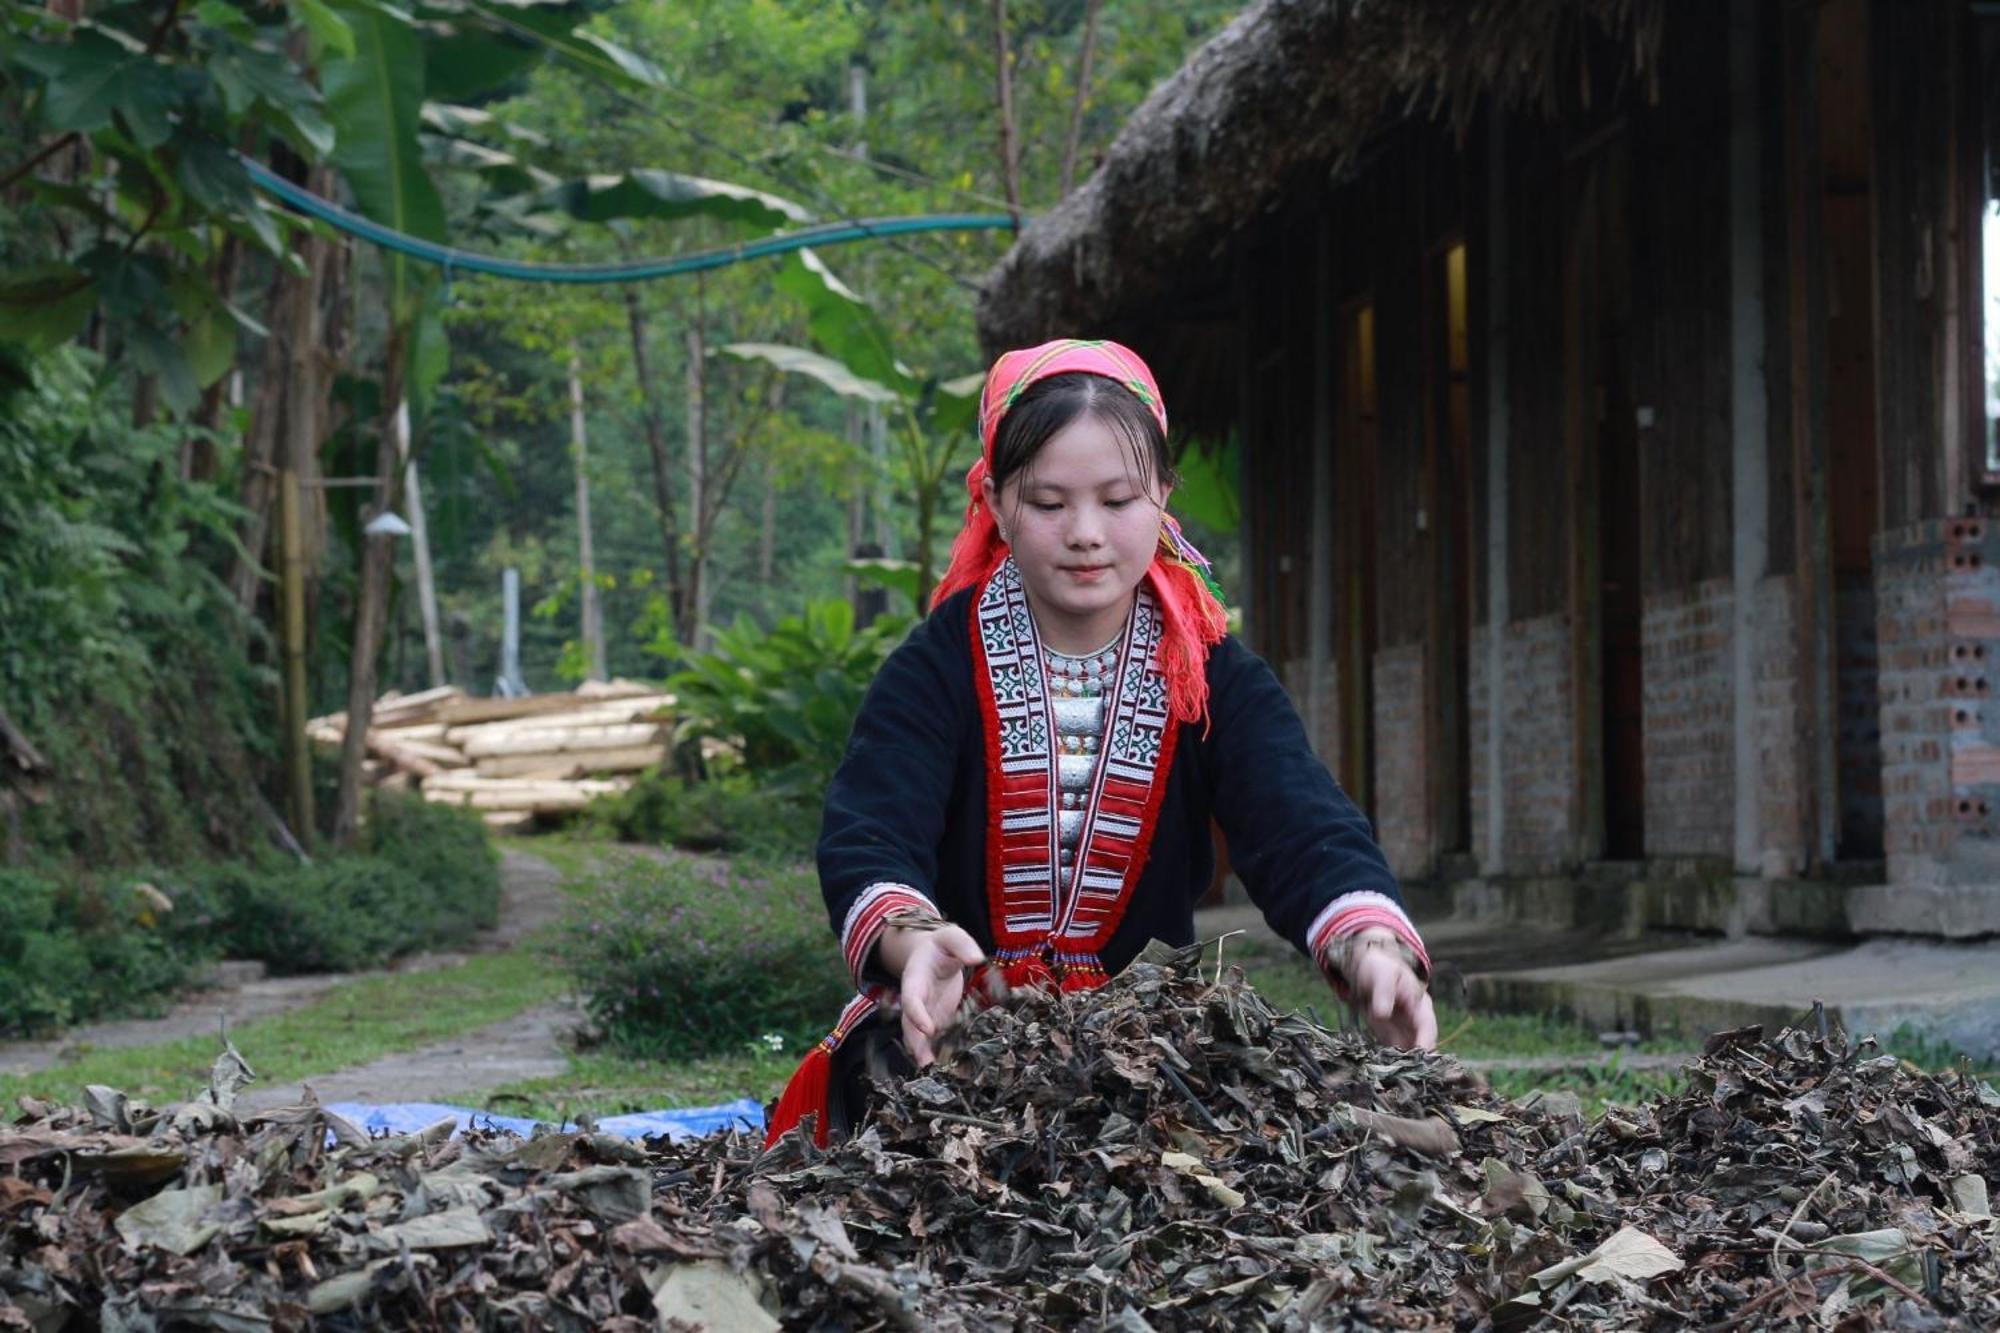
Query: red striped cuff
[
  {"x": 869, "y": 917},
  {"x": 1352, "y": 913}
]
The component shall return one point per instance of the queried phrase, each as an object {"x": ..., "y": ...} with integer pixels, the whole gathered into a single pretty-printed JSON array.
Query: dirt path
[
  {"x": 529, "y": 1045},
  {"x": 531, "y": 897}
]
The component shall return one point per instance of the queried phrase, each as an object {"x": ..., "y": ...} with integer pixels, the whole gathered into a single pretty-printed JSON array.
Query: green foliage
[
  {"x": 693, "y": 957},
  {"x": 727, "y": 814},
  {"x": 427, "y": 878},
  {"x": 94, "y": 573},
  {"x": 75, "y": 952},
  {"x": 375, "y": 100},
  {"x": 788, "y": 694},
  {"x": 163, "y": 104},
  {"x": 648, "y": 192},
  {"x": 107, "y": 595}
]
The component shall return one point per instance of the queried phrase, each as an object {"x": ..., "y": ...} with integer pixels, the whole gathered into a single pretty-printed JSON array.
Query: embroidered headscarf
[{"x": 1180, "y": 578}]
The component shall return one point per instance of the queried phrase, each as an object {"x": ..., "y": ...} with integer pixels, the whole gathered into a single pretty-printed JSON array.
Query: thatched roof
[{"x": 1290, "y": 90}]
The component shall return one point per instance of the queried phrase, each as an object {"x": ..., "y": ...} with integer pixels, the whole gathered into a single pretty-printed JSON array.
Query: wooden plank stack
[{"x": 512, "y": 759}]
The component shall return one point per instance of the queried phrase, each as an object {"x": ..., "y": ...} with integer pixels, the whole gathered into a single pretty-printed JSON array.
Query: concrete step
[{"x": 1947, "y": 992}]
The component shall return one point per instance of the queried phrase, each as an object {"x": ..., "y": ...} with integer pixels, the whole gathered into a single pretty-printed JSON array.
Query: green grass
[
  {"x": 351, "y": 1024},
  {"x": 577, "y": 857}
]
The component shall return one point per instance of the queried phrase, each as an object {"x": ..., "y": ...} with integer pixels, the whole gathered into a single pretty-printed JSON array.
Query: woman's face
[{"x": 1083, "y": 524}]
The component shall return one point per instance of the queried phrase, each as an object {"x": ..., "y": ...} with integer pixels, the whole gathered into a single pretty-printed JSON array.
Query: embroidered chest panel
[{"x": 1037, "y": 895}]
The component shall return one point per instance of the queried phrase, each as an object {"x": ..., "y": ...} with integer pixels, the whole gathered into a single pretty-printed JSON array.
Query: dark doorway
[
  {"x": 1624, "y": 702},
  {"x": 1854, "y": 486},
  {"x": 1604, "y": 438},
  {"x": 1354, "y": 537},
  {"x": 1448, "y": 502}
]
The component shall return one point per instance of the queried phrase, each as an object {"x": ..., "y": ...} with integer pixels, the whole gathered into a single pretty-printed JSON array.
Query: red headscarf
[{"x": 1188, "y": 599}]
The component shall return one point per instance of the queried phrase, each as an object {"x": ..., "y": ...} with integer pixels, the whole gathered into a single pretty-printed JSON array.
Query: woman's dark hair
[{"x": 1047, "y": 406}]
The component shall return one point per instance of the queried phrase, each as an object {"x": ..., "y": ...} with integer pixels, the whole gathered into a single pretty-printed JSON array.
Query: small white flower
[{"x": 774, "y": 1042}]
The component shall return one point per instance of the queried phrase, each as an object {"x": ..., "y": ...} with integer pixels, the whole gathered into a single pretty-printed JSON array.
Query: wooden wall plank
[
  {"x": 1910, "y": 57},
  {"x": 1681, "y": 310}
]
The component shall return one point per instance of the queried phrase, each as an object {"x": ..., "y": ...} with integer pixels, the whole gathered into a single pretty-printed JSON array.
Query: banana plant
[
  {"x": 933, "y": 417},
  {"x": 377, "y": 84}
]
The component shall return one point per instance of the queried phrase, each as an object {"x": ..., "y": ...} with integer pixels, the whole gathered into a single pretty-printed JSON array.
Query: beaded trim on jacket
[{"x": 1040, "y": 904}]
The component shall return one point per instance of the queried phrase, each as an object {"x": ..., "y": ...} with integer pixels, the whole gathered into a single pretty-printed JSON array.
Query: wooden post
[
  {"x": 1497, "y": 613},
  {"x": 420, "y": 548},
  {"x": 1806, "y": 313},
  {"x": 1319, "y": 600},
  {"x": 593, "y": 621},
  {"x": 1749, "y": 427},
  {"x": 1586, "y": 830},
  {"x": 510, "y": 684}
]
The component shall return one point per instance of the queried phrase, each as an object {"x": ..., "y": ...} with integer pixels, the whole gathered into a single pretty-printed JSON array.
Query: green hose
[{"x": 454, "y": 260}]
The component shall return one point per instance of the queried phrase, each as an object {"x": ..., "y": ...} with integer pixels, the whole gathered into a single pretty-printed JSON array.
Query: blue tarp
[{"x": 682, "y": 1123}]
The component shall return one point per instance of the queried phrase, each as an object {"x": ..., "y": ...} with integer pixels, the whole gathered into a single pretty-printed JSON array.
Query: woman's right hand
[{"x": 931, "y": 965}]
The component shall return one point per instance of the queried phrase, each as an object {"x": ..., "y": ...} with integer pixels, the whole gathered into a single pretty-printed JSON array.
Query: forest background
[{"x": 173, "y": 343}]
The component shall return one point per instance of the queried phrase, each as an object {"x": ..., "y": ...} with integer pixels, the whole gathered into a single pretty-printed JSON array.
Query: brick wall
[
  {"x": 1402, "y": 805},
  {"x": 1296, "y": 675},
  {"x": 1930, "y": 693},
  {"x": 1774, "y": 724},
  {"x": 1689, "y": 721},
  {"x": 1539, "y": 782}
]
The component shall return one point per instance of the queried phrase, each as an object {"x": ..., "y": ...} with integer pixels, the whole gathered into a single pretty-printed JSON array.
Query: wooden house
[{"x": 1616, "y": 384}]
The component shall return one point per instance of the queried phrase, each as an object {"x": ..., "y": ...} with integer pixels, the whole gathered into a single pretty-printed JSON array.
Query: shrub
[
  {"x": 426, "y": 877},
  {"x": 448, "y": 850},
  {"x": 730, "y": 814},
  {"x": 109, "y": 592},
  {"x": 75, "y": 952},
  {"x": 790, "y": 693},
  {"x": 694, "y": 957}
]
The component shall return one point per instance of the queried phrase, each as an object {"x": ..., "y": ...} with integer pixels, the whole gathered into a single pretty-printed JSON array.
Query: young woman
[{"x": 1027, "y": 792}]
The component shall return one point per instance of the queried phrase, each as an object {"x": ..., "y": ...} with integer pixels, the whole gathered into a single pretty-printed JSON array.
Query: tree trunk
[
  {"x": 656, "y": 445},
  {"x": 288, "y": 380},
  {"x": 767, "y": 542},
  {"x": 372, "y": 603},
  {"x": 593, "y": 619},
  {"x": 691, "y": 624},
  {"x": 260, "y": 441},
  {"x": 1082, "y": 96},
  {"x": 1010, "y": 158}
]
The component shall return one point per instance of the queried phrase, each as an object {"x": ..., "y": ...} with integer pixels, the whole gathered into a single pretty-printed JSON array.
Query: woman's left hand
[{"x": 1385, "y": 991}]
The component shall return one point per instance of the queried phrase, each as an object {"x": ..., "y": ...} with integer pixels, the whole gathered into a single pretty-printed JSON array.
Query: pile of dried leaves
[{"x": 1165, "y": 1153}]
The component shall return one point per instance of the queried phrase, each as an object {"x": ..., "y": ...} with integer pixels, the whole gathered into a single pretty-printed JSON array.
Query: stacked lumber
[{"x": 512, "y": 759}]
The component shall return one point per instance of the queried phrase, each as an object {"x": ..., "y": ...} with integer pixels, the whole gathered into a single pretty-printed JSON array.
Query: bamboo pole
[{"x": 298, "y": 756}]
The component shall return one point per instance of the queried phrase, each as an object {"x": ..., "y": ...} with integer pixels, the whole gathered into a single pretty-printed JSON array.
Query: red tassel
[
  {"x": 805, "y": 1095},
  {"x": 1024, "y": 972}
]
